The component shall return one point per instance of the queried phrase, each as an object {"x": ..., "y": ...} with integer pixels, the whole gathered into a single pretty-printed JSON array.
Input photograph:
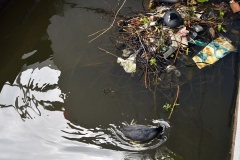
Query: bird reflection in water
[{"x": 36, "y": 85}]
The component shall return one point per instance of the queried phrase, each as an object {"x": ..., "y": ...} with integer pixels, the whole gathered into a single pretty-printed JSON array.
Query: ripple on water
[
  {"x": 32, "y": 97},
  {"x": 113, "y": 136}
]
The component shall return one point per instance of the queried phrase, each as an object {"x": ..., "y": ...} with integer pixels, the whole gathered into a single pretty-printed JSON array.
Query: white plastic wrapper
[{"x": 129, "y": 65}]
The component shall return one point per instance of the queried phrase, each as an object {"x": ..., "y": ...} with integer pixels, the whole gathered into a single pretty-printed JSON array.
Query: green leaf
[
  {"x": 224, "y": 30},
  {"x": 152, "y": 10},
  {"x": 221, "y": 29},
  {"x": 144, "y": 20},
  {"x": 167, "y": 106},
  {"x": 221, "y": 14},
  {"x": 202, "y": 1},
  {"x": 153, "y": 61},
  {"x": 176, "y": 104}
]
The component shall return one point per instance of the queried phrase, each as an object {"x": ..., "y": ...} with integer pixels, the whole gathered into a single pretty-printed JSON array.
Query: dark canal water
[{"x": 52, "y": 100}]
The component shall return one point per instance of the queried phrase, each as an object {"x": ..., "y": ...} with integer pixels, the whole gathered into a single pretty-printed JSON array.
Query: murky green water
[{"x": 52, "y": 101}]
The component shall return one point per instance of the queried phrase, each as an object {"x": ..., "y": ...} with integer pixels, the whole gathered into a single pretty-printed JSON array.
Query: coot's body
[{"x": 141, "y": 133}]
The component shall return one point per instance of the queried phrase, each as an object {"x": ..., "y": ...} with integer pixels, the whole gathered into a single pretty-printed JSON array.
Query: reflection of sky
[
  {"x": 34, "y": 86},
  {"x": 43, "y": 133},
  {"x": 47, "y": 134},
  {"x": 41, "y": 138},
  {"x": 43, "y": 77},
  {"x": 35, "y": 89}
]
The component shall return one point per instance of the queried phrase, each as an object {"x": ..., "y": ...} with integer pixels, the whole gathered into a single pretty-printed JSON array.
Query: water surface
[{"x": 52, "y": 101}]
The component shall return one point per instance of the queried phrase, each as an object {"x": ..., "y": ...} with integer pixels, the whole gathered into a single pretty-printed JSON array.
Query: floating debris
[
  {"x": 153, "y": 42},
  {"x": 129, "y": 65}
]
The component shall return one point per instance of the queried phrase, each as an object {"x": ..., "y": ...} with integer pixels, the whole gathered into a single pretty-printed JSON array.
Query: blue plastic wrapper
[{"x": 211, "y": 53}]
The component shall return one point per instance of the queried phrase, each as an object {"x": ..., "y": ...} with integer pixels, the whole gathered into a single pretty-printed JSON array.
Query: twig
[
  {"x": 96, "y": 63},
  {"x": 146, "y": 69},
  {"x": 75, "y": 66},
  {"x": 108, "y": 52},
  {"x": 111, "y": 24},
  {"x": 209, "y": 22},
  {"x": 95, "y": 33},
  {"x": 174, "y": 104},
  {"x": 176, "y": 56}
]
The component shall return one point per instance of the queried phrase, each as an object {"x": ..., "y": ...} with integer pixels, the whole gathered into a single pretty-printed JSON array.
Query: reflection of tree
[{"x": 32, "y": 88}]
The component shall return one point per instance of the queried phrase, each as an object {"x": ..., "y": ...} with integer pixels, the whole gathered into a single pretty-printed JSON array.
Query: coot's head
[{"x": 172, "y": 18}]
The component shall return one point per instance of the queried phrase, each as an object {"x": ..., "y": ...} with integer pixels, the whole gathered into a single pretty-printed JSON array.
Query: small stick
[
  {"x": 145, "y": 53},
  {"x": 111, "y": 24},
  {"x": 176, "y": 56},
  {"x": 96, "y": 63},
  {"x": 95, "y": 33},
  {"x": 108, "y": 52},
  {"x": 209, "y": 22},
  {"x": 174, "y": 104}
]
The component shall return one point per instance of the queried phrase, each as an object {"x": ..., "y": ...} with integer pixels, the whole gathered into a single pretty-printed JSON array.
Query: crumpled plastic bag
[
  {"x": 211, "y": 53},
  {"x": 129, "y": 64}
]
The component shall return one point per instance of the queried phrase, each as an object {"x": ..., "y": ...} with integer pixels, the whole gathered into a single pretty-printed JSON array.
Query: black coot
[
  {"x": 141, "y": 133},
  {"x": 172, "y": 18}
]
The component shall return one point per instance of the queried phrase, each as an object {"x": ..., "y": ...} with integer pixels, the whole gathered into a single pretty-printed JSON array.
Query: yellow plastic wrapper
[{"x": 215, "y": 50}]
